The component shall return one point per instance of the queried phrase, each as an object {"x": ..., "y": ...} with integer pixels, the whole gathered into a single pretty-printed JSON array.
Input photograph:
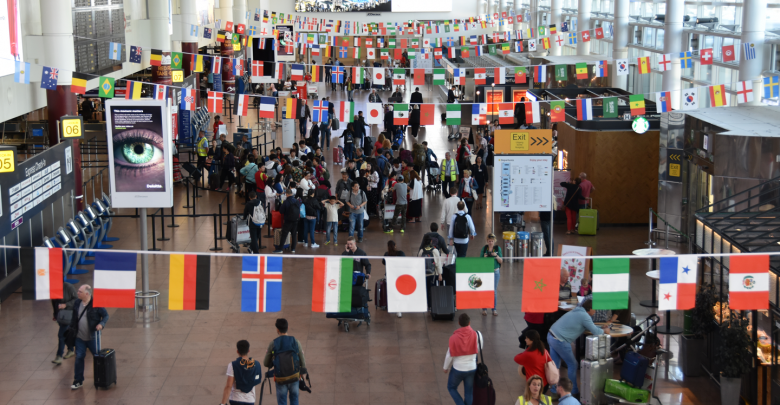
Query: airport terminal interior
[{"x": 443, "y": 202}]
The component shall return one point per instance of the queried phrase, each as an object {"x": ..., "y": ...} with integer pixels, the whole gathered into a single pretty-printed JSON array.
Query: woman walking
[
  {"x": 415, "y": 197},
  {"x": 572, "y": 203},
  {"x": 491, "y": 250},
  {"x": 480, "y": 175}
]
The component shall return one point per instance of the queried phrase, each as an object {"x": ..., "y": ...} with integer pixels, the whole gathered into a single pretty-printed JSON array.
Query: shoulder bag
[
  {"x": 481, "y": 378},
  {"x": 71, "y": 332},
  {"x": 64, "y": 316},
  {"x": 551, "y": 372}
]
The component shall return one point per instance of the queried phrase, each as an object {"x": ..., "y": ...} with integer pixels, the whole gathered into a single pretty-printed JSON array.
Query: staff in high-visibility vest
[
  {"x": 202, "y": 149},
  {"x": 449, "y": 172},
  {"x": 533, "y": 393}
]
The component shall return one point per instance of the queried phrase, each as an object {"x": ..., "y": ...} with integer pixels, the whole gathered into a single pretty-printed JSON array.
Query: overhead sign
[
  {"x": 674, "y": 160},
  {"x": 7, "y": 159},
  {"x": 522, "y": 183},
  {"x": 71, "y": 127},
  {"x": 523, "y": 141}
]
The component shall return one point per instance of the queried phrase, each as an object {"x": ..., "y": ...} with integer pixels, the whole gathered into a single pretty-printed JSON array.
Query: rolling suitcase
[
  {"x": 442, "y": 302},
  {"x": 338, "y": 156},
  {"x": 238, "y": 232},
  {"x": 597, "y": 347},
  {"x": 278, "y": 239},
  {"x": 634, "y": 369},
  {"x": 593, "y": 378},
  {"x": 104, "y": 366},
  {"x": 589, "y": 221},
  {"x": 380, "y": 294}
]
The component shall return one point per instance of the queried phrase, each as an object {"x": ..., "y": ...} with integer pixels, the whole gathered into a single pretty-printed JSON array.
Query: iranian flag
[
  {"x": 453, "y": 118},
  {"x": 399, "y": 77},
  {"x": 357, "y": 75},
  {"x": 541, "y": 285},
  {"x": 346, "y": 111},
  {"x": 610, "y": 283},
  {"x": 400, "y": 114},
  {"x": 332, "y": 285},
  {"x": 356, "y": 53},
  {"x": 475, "y": 282},
  {"x": 438, "y": 77},
  {"x": 378, "y": 76}
]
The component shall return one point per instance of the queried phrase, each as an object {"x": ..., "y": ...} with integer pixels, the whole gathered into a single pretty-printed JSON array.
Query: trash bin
[
  {"x": 523, "y": 244},
  {"x": 537, "y": 244},
  {"x": 510, "y": 245}
]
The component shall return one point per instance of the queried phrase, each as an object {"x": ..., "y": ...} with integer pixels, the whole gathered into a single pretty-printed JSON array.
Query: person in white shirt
[
  {"x": 247, "y": 372},
  {"x": 464, "y": 344},
  {"x": 458, "y": 234},
  {"x": 306, "y": 183},
  {"x": 450, "y": 207}
]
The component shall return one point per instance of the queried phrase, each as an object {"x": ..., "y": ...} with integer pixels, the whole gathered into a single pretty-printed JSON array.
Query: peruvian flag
[
  {"x": 505, "y": 113},
  {"x": 42, "y": 275},
  {"x": 406, "y": 285},
  {"x": 749, "y": 282}
]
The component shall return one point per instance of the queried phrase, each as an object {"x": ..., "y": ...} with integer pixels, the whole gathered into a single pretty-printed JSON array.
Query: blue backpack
[{"x": 287, "y": 364}]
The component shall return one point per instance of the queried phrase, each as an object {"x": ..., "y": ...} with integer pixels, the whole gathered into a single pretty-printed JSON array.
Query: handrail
[{"x": 776, "y": 179}]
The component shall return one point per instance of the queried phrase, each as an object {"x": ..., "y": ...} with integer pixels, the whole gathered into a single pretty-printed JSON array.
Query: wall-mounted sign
[
  {"x": 7, "y": 159},
  {"x": 640, "y": 125},
  {"x": 71, "y": 127},
  {"x": 523, "y": 141},
  {"x": 674, "y": 159}
]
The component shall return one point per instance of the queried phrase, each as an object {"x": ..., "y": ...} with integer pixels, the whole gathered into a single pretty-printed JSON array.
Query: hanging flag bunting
[
  {"x": 241, "y": 105},
  {"x": 155, "y": 58},
  {"x": 637, "y": 104},
  {"x": 42, "y": 273},
  {"x": 106, "y": 87},
  {"x": 406, "y": 291},
  {"x": 601, "y": 68},
  {"x": 520, "y": 75},
  {"x": 215, "y": 102},
  {"x": 160, "y": 92},
  {"x": 78, "y": 84},
  {"x": 772, "y": 87},
  {"x": 176, "y": 60},
  {"x": 114, "y": 280},
  {"x": 480, "y": 76},
  {"x": 531, "y": 45},
  {"x": 718, "y": 96},
  {"x": 206, "y": 33},
  {"x": 599, "y": 33},
  {"x": 291, "y": 111},
  {"x": 296, "y": 72},
  {"x": 479, "y": 114},
  {"x": 401, "y": 114},
  {"x": 188, "y": 99},
  {"x": 216, "y": 65},
  {"x": 643, "y": 64},
  {"x": 453, "y": 114},
  {"x": 686, "y": 60},
  {"x": 188, "y": 282},
  {"x": 370, "y": 53},
  {"x": 745, "y": 92},
  {"x": 540, "y": 285},
  {"x": 728, "y": 53},
  {"x": 561, "y": 72},
  {"x": 749, "y": 282},
  {"x": 749, "y": 50},
  {"x": 357, "y": 75},
  {"x": 267, "y": 107},
  {"x": 464, "y": 52},
  {"x": 337, "y": 75},
  {"x": 475, "y": 282},
  {"x": 621, "y": 67},
  {"x": 438, "y": 77},
  {"x": 427, "y": 113},
  {"x": 115, "y": 51},
  {"x": 261, "y": 284},
  {"x": 49, "y": 78},
  {"x": 197, "y": 63},
  {"x": 346, "y": 111},
  {"x": 610, "y": 284},
  {"x": 584, "y": 109},
  {"x": 478, "y": 50},
  {"x": 532, "y": 114},
  {"x": 257, "y": 68},
  {"x": 378, "y": 76},
  {"x": 399, "y": 77},
  {"x": 582, "y": 70},
  {"x": 663, "y": 102},
  {"x": 610, "y": 107},
  {"x": 132, "y": 90},
  {"x": 540, "y": 73},
  {"x": 665, "y": 62},
  {"x": 705, "y": 56},
  {"x": 557, "y": 111},
  {"x": 418, "y": 77},
  {"x": 518, "y": 46},
  {"x": 319, "y": 111},
  {"x": 690, "y": 99},
  {"x": 505, "y": 111},
  {"x": 499, "y": 75},
  {"x": 374, "y": 116},
  {"x": 677, "y": 283},
  {"x": 22, "y": 72},
  {"x": 585, "y": 36}
]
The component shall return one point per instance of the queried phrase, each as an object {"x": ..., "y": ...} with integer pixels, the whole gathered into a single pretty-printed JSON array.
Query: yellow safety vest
[
  {"x": 543, "y": 398},
  {"x": 203, "y": 147},
  {"x": 453, "y": 170}
]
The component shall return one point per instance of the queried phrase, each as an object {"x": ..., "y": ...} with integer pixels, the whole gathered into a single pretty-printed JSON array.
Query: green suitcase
[
  {"x": 589, "y": 222},
  {"x": 626, "y": 391}
]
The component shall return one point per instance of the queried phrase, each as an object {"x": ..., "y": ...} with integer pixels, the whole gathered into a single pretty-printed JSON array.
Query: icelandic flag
[
  {"x": 320, "y": 111},
  {"x": 584, "y": 109},
  {"x": 663, "y": 101},
  {"x": 677, "y": 283},
  {"x": 114, "y": 280},
  {"x": 261, "y": 284},
  {"x": 115, "y": 51},
  {"x": 188, "y": 98}
]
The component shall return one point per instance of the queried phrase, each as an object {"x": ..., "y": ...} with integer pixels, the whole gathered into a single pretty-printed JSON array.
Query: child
[{"x": 332, "y": 205}]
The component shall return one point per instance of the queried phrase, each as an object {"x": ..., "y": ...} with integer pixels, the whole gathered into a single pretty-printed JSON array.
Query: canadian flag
[
  {"x": 406, "y": 285},
  {"x": 374, "y": 114},
  {"x": 378, "y": 76}
]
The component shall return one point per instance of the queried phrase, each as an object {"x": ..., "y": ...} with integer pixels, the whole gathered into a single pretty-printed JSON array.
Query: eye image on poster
[{"x": 139, "y": 152}]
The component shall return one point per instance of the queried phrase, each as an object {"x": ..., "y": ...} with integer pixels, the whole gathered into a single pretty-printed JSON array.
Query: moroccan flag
[
  {"x": 557, "y": 112},
  {"x": 637, "y": 103},
  {"x": 610, "y": 283},
  {"x": 749, "y": 282},
  {"x": 427, "y": 114},
  {"x": 419, "y": 77},
  {"x": 541, "y": 285},
  {"x": 190, "y": 276},
  {"x": 520, "y": 75},
  {"x": 42, "y": 275},
  {"x": 332, "y": 284},
  {"x": 106, "y": 87},
  {"x": 475, "y": 282},
  {"x": 582, "y": 70},
  {"x": 155, "y": 58}
]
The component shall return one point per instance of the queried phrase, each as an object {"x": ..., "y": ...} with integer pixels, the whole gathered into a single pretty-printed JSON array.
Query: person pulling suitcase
[{"x": 86, "y": 320}]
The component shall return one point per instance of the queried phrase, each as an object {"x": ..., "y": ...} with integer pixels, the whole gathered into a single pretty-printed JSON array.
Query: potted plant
[
  {"x": 734, "y": 355},
  {"x": 693, "y": 348}
]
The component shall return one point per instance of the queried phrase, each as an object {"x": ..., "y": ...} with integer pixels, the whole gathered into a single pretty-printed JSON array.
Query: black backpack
[
  {"x": 287, "y": 364},
  {"x": 460, "y": 228},
  {"x": 430, "y": 264}
]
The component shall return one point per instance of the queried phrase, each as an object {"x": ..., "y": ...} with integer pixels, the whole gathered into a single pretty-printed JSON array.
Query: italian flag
[
  {"x": 399, "y": 76},
  {"x": 400, "y": 114},
  {"x": 474, "y": 281},
  {"x": 346, "y": 111},
  {"x": 438, "y": 77},
  {"x": 453, "y": 118},
  {"x": 332, "y": 285},
  {"x": 610, "y": 283}
]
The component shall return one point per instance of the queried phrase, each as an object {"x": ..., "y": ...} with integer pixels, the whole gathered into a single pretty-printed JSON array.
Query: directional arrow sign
[
  {"x": 529, "y": 141},
  {"x": 674, "y": 165}
]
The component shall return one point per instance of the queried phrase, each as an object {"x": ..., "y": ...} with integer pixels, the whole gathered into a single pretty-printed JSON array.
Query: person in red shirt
[
  {"x": 534, "y": 357},
  {"x": 217, "y": 123}
]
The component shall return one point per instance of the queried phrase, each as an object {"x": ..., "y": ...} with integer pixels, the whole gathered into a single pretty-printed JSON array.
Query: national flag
[
  {"x": 370, "y": 53},
  {"x": 216, "y": 65},
  {"x": 610, "y": 283},
  {"x": 520, "y": 75},
  {"x": 643, "y": 64},
  {"x": 451, "y": 52},
  {"x": 343, "y": 52},
  {"x": 391, "y": 42},
  {"x": 505, "y": 48},
  {"x": 160, "y": 92},
  {"x": 690, "y": 99},
  {"x": 42, "y": 273},
  {"x": 378, "y": 76},
  {"x": 585, "y": 36},
  {"x": 557, "y": 111},
  {"x": 745, "y": 91},
  {"x": 106, "y": 87},
  {"x": 480, "y": 76},
  {"x": 677, "y": 283},
  {"x": 406, "y": 288},
  {"x": 459, "y": 77},
  {"x": 22, "y": 72},
  {"x": 419, "y": 77},
  {"x": 505, "y": 111},
  {"x": 705, "y": 56},
  {"x": 519, "y": 46},
  {"x": 436, "y": 53},
  {"x": 296, "y": 72},
  {"x": 473, "y": 40},
  {"x": 427, "y": 114},
  {"x": 453, "y": 114},
  {"x": 602, "y": 69},
  {"x": 532, "y": 112},
  {"x": 621, "y": 67},
  {"x": 584, "y": 109},
  {"x": 561, "y": 72},
  {"x": 582, "y": 70},
  {"x": 257, "y": 68},
  {"x": 346, "y": 111},
  {"x": 665, "y": 62},
  {"x": 356, "y": 53},
  {"x": 319, "y": 111},
  {"x": 479, "y": 114},
  {"x": 215, "y": 102},
  {"x": 374, "y": 114},
  {"x": 332, "y": 284},
  {"x": 261, "y": 284},
  {"x": 686, "y": 60},
  {"x": 475, "y": 282},
  {"x": 749, "y": 282},
  {"x": 115, "y": 51},
  {"x": 478, "y": 50},
  {"x": 491, "y": 49},
  {"x": 188, "y": 99},
  {"x": 546, "y": 43},
  {"x": 292, "y": 108},
  {"x": 384, "y": 54},
  {"x": 114, "y": 280},
  {"x": 610, "y": 107},
  {"x": 572, "y": 38},
  {"x": 241, "y": 105},
  {"x": 438, "y": 77},
  {"x": 133, "y": 90},
  {"x": 197, "y": 63},
  {"x": 464, "y": 52},
  {"x": 771, "y": 87},
  {"x": 728, "y": 53},
  {"x": 155, "y": 57},
  {"x": 206, "y": 33},
  {"x": 541, "y": 285},
  {"x": 357, "y": 75},
  {"x": 176, "y": 60},
  {"x": 400, "y": 114},
  {"x": 337, "y": 74},
  {"x": 553, "y": 29},
  {"x": 637, "y": 104},
  {"x": 229, "y": 26},
  {"x": 49, "y": 78},
  {"x": 749, "y": 50},
  {"x": 189, "y": 282},
  {"x": 399, "y": 77},
  {"x": 540, "y": 73},
  {"x": 238, "y": 67},
  {"x": 663, "y": 101},
  {"x": 78, "y": 85},
  {"x": 499, "y": 75},
  {"x": 718, "y": 96},
  {"x": 531, "y": 45},
  {"x": 267, "y": 107},
  {"x": 599, "y": 33}
]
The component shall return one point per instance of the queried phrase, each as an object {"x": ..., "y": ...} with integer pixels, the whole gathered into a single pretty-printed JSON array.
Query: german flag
[
  {"x": 221, "y": 36},
  {"x": 78, "y": 84},
  {"x": 292, "y": 108},
  {"x": 189, "y": 282},
  {"x": 155, "y": 58},
  {"x": 317, "y": 74},
  {"x": 133, "y": 90},
  {"x": 326, "y": 51}
]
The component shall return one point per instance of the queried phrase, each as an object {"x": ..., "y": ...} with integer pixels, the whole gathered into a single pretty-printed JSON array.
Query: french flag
[
  {"x": 677, "y": 283},
  {"x": 114, "y": 280},
  {"x": 267, "y": 105},
  {"x": 584, "y": 109}
]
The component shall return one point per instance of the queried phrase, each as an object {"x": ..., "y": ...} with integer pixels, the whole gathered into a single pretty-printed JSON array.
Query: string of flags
[{"x": 114, "y": 284}]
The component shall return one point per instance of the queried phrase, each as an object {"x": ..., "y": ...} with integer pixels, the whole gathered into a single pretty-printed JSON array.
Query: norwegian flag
[
  {"x": 160, "y": 92},
  {"x": 257, "y": 68},
  {"x": 215, "y": 102},
  {"x": 216, "y": 66},
  {"x": 242, "y": 104},
  {"x": 188, "y": 99}
]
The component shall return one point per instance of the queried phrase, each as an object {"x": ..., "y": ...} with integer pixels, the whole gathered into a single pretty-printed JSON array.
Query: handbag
[
  {"x": 64, "y": 316},
  {"x": 572, "y": 196},
  {"x": 551, "y": 372},
  {"x": 71, "y": 332},
  {"x": 481, "y": 378}
]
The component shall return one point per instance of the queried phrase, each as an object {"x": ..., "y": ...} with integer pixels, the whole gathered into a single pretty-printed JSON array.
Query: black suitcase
[
  {"x": 214, "y": 182},
  {"x": 104, "y": 366},
  {"x": 442, "y": 302}
]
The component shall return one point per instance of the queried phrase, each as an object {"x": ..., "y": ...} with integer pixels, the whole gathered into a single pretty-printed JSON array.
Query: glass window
[
  {"x": 708, "y": 11},
  {"x": 659, "y": 39},
  {"x": 772, "y": 19},
  {"x": 705, "y": 73},
  {"x": 728, "y": 15},
  {"x": 657, "y": 82},
  {"x": 648, "y": 37},
  {"x": 661, "y": 8},
  {"x": 691, "y": 10},
  {"x": 647, "y": 10}
]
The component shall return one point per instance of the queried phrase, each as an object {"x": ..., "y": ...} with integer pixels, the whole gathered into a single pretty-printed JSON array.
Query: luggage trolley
[
  {"x": 357, "y": 314},
  {"x": 387, "y": 209},
  {"x": 238, "y": 233}
]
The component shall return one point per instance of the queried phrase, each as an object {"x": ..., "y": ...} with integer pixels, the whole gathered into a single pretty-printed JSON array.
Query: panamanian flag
[{"x": 261, "y": 284}]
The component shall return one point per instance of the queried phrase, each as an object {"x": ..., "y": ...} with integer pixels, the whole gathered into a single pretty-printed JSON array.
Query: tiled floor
[{"x": 182, "y": 358}]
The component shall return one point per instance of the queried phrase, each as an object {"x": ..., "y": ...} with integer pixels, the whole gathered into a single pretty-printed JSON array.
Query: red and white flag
[
  {"x": 406, "y": 285},
  {"x": 42, "y": 275},
  {"x": 215, "y": 102},
  {"x": 188, "y": 99},
  {"x": 216, "y": 66},
  {"x": 378, "y": 76},
  {"x": 257, "y": 68},
  {"x": 505, "y": 113},
  {"x": 160, "y": 92},
  {"x": 745, "y": 92},
  {"x": 499, "y": 75},
  {"x": 705, "y": 56},
  {"x": 749, "y": 282},
  {"x": 242, "y": 104},
  {"x": 374, "y": 115},
  {"x": 665, "y": 62},
  {"x": 728, "y": 53},
  {"x": 114, "y": 279}
]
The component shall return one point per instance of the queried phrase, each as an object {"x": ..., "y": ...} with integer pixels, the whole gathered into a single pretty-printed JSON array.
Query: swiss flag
[
  {"x": 406, "y": 290},
  {"x": 599, "y": 33},
  {"x": 705, "y": 56},
  {"x": 585, "y": 36},
  {"x": 240, "y": 28},
  {"x": 728, "y": 53}
]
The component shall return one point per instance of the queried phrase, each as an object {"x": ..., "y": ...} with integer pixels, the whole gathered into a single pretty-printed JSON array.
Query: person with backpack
[
  {"x": 291, "y": 212},
  {"x": 254, "y": 213},
  {"x": 393, "y": 252},
  {"x": 357, "y": 201},
  {"x": 349, "y": 141},
  {"x": 242, "y": 376},
  {"x": 494, "y": 251},
  {"x": 313, "y": 206},
  {"x": 285, "y": 356},
  {"x": 433, "y": 263},
  {"x": 464, "y": 344},
  {"x": 461, "y": 229},
  {"x": 437, "y": 240}
]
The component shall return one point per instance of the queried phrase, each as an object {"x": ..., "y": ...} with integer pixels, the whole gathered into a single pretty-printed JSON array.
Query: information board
[
  {"x": 522, "y": 141},
  {"x": 522, "y": 183}
]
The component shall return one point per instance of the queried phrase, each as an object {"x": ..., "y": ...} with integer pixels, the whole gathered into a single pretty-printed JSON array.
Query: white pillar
[
  {"x": 518, "y": 12},
  {"x": 556, "y": 7},
  {"x": 753, "y": 26},
  {"x": 583, "y": 24},
  {"x": 189, "y": 16},
  {"x": 620, "y": 41},
  {"x": 160, "y": 37},
  {"x": 673, "y": 37},
  {"x": 501, "y": 9},
  {"x": 226, "y": 12},
  {"x": 58, "y": 38},
  {"x": 239, "y": 12}
]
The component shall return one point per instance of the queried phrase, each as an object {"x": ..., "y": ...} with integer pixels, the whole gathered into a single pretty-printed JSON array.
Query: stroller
[
  {"x": 434, "y": 182},
  {"x": 360, "y": 299}
]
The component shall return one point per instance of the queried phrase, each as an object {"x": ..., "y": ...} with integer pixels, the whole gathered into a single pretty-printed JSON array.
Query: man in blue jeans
[
  {"x": 89, "y": 321},
  {"x": 356, "y": 201},
  {"x": 285, "y": 348},
  {"x": 462, "y": 357},
  {"x": 565, "y": 331}
]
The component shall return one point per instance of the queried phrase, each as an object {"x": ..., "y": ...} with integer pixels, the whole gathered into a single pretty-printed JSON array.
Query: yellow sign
[
  {"x": 674, "y": 170},
  {"x": 523, "y": 141},
  {"x": 177, "y": 76},
  {"x": 7, "y": 161},
  {"x": 71, "y": 127},
  {"x": 236, "y": 46}
]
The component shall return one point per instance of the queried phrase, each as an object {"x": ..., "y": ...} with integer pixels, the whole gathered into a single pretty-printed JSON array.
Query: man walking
[
  {"x": 462, "y": 358},
  {"x": 400, "y": 203},
  {"x": 358, "y": 265},
  {"x": 291, "y": 212},
  {"x": 304, "y": 114},
  {"x": 64, "y": 304},
  {"x": 356, "y": 201},
  {"x": 449, "y": 172},
  {"x": 450, "y": 207},
  {"x": 462, "y": 227},
  {"x": 241, "y": 374},
  {"x": 285, "y": 355},
  {"x": 254, "y": 221},
  {"x": 89, "y": 321}
]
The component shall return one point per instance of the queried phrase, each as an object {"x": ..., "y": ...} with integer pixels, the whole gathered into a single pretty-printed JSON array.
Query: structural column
[
  {"x": 583, "y": 24},
  {"x": 239, "y": 12},
  {"x": 226, "y": 12},
  {"x": 501, "y": 9},
  {"x": 189, "y": 46},
  {"x": 518, "y": 11},
  {"x": 620, "y": 41},
  {"x": 753, "y": 26},
  {"x": 160, "y": 38},
  {"x": 556, "y": 8},
  {"x": 673, "y": 35}
]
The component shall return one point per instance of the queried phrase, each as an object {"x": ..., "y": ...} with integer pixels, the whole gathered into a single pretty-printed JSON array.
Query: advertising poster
[
  {"x": 139, "y": 153},
  {"x": 559, "y": 192},
  {"x": 518, "y": 95},
  {"x": 572, "y": 259},
  {"x": 522, "y": 183},
  {"x": 343, "y": 6},
  {"x": 493, "y": 98},
  {"x": 285, "y": 36}
]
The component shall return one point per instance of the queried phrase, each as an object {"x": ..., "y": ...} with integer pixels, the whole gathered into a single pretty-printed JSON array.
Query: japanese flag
[
  {"x": 370, "y": 53},
  {"x": 406, "y": 285},
  {"x": 374, "y": 114},
  {"x": 378, "y": 76}
]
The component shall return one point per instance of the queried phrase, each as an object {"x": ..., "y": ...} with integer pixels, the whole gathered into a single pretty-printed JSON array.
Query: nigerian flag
[
  {"x": 411, "y": 53},
  {"x": 610, "y": 283},
  {"x": 453, "y": 114},
  {"x": 438, "y": 77}
]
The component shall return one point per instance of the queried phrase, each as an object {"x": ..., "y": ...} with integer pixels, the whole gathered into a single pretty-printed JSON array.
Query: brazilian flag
[
  {"x": 176, "y": 60},
  {"x": 106, "y": 87}
]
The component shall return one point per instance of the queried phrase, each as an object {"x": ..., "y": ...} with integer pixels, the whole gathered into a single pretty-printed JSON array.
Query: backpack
[
  {"x": 430, "y": 264},
  {"x": 258, "y": 215},
  {"x": 460, "y": 228},
  {"x": 302, "y": 208},
  {"x": 326, "y": 174},
  {"x": 247, "y": 375},
  {"x": 386, "y": 171},
  {"x": 287, "y": 364},
  {"x": 335, "y": 123}
]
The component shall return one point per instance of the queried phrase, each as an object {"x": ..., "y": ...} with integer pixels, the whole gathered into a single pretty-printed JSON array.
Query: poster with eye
[{"x": 139, "y": 153}]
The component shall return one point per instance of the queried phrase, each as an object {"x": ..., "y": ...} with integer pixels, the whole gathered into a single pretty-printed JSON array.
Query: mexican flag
[
  {"x": 610, "y": 283},
  {"x": 346, "y": 111},
  {"x": 438, "y": 77},
  {"x": 453, "y": 118},
  {"x": 399, "y": 76},
  {"x": 332, "y": 285},
  {"x": 384, "y": 54},
  {"x": 541, "y": 285},
  {"x": 400, "y": 114},
  {"x": 474, "y": 281}
]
